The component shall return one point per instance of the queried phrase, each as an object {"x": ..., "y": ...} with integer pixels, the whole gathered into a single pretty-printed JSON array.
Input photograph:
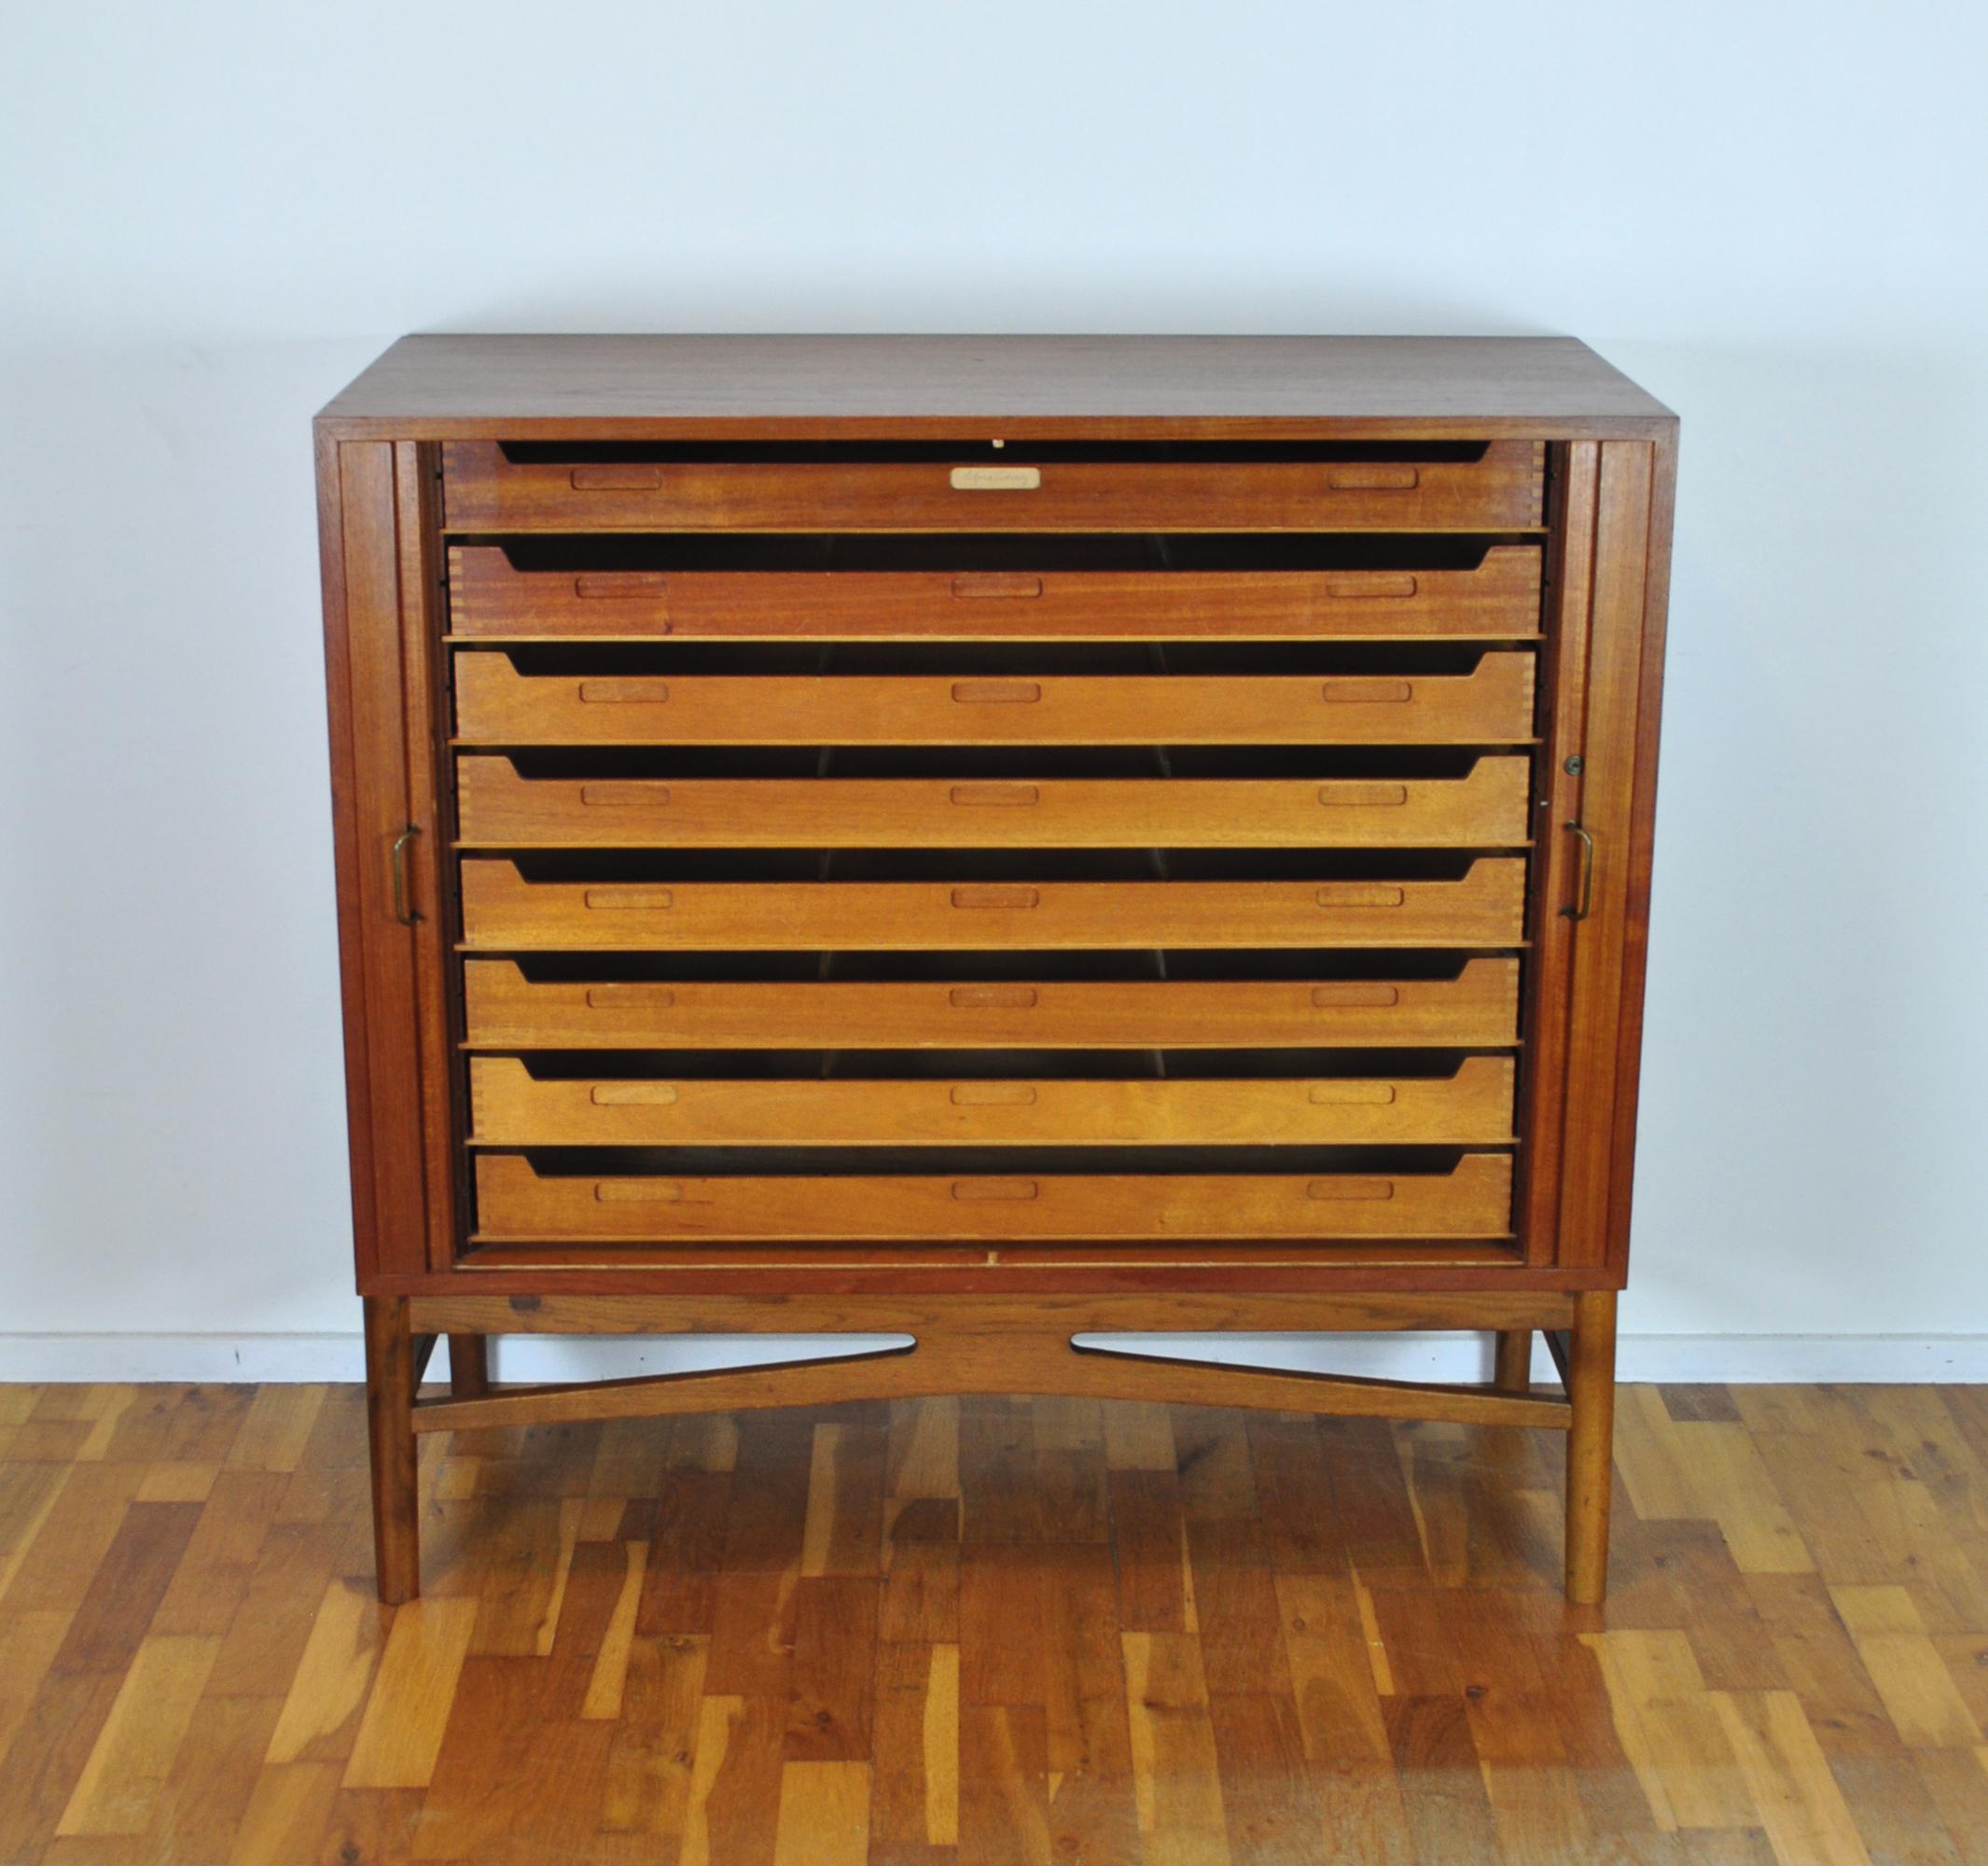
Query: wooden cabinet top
[{"x": 1129, "y": 388}]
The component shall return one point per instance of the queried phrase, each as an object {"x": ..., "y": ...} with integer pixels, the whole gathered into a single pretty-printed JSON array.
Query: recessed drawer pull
[
  {"x": 996, "y": 693},
  {"x": 621, "y": 900},
  {"x": 625, "y": 997},
  {"x": 610, "y": 585},
  {"x": 1349, "y": 1189},
  {"x": 617, "y": 479},
  {"x": 1370, "y": 586},
  {"x": 993, "y": 585},
  {"x": 995, "y": 793},
  {"x": 1358, "y": 894},
  {"x": 1374, "y": 478},
  {"x": 630, "y": 693},
  {"x": 993, "y": 1094},
  {"x": 1351, "y": 1094},
  {"x": 988, "y": 1191},
  {"x": 1362, "y": 796},
  {"x": 637, "y": 1192},
  {"x": 1367, "y": 692},
  {"x": 633, "y": 1095},
  {"x": 1355, "y": 994},
  {"x": 993, "y": 997},
  {"x": 996, "y": 478},
  {"x": 996, "y": 897},
  {"x": 625, "y": 793}
]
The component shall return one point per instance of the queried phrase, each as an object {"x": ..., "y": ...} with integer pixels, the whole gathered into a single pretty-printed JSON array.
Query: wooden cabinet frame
[{"x": 1610, "y": 477}]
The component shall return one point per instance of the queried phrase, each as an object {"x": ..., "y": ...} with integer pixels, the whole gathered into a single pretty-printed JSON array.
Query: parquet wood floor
[{"x": 962, "y": 1633}]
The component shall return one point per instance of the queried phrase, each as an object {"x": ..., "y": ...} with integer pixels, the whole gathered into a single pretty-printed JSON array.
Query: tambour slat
[
  {"x": 516, "y": 1203},
  {"x": 497, "y": 705},
  {"x": 510, "y": 1108},
  {"x": 1477, "y": 1010},
  {"x": 1498, "y": 599},
  {"x": 501, "y": 809},
  {"x": 501, "y": 909},
  {"x": 1503, "y": 490}
]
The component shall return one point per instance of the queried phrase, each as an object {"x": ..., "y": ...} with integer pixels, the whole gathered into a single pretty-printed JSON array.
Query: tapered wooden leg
[
  {"x": 1514, "y": 1367},
  {"x": 468, "y": 1366},
  {"x": 390, "y": 1430},
  {"x": 1590, "y": 1445}
]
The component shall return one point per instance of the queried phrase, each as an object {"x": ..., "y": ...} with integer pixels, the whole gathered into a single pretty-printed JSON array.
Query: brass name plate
[{"x": 996, "y": 478}]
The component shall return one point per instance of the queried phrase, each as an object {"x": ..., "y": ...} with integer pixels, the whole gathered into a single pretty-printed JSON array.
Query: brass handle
[
  {"x": 402, "y": 912},
  {"x": 1586, "y": 873}
]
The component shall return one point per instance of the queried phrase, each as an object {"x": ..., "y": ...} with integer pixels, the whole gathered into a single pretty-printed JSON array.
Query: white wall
[{"x": 214, "y": 213}]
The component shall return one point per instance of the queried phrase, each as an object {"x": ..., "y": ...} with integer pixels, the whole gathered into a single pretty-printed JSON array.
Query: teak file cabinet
[{"x": 993, "y": 841}]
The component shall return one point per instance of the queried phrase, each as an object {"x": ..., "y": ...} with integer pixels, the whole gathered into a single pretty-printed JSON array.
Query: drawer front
[
  {"x": 1503, "y": 490},
  {"x": 502, "y": 911},
  {"x": 510, "y": 1107},
  {"x": 1477, "y": 1010},
  {"x": 500, "y": 809},
  {"x": 1497, "y": 599},
  {"x": 517, "y": 1204},
  {"x": 496, "y": 705}
]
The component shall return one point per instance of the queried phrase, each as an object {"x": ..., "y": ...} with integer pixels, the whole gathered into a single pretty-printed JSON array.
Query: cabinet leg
[
  {"x": 1514, "y": 1366},
  {"x": 1590, "y": 1445},
  {"x": 468, "y": 1366},
  {"x": 390, "y": 1430}
]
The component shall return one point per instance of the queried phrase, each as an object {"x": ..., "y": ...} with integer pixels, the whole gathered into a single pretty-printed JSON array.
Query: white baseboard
[{"x": 1849, "y": 1360}]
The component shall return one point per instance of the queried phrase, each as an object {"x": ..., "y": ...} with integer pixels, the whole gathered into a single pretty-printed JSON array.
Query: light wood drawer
[
  {"x": 500, "y": 808},
  {"x": 502, "y": 911},
  {"x": 516, "y": 1203},
  {"x": 489, "y": 600},
  {"x": 510, "y": 1107},
  {"x": 1503, "y": 490},
  {"x": 496, "y": 705},
  {"x": 1475, "y": 1010}
]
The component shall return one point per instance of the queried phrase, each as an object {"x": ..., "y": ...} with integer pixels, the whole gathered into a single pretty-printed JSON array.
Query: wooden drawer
[
  {"x": 510, "y": 1107},
  {"x": 496, "y": 705},
  {"x": 1502, "y": 490},
  {"x": 489, "y": 600},
  {"x": 517, "y": 1204},
  {"x": 1475, "y": 1010},
  {"x": 500, "y": 808},
  {"x": 502, "y": 911}
]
